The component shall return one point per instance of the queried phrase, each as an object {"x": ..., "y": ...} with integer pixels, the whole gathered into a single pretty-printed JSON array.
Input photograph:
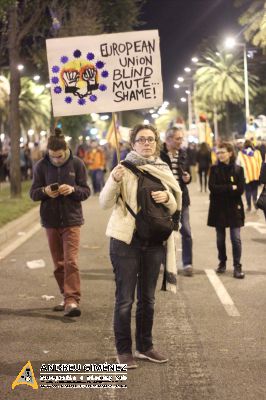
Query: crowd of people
[
  {"x": 28, "y": 157},
  {"x": 149, "y": 196}
]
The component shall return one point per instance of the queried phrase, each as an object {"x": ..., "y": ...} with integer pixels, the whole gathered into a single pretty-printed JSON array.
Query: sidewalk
[{"x": 21, "y": 225}]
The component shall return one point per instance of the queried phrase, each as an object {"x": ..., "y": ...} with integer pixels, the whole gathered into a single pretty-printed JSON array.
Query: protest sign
[{"x": 105, "y": 73}]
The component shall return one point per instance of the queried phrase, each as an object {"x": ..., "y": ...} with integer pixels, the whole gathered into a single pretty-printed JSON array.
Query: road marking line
[
  {"x": 260, "y": 227},
  {"x": 222, "y": 293},
  {"x": 19, "y": 241}
]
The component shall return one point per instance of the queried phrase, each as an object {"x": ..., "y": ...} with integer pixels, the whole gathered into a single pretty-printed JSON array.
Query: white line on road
[
  {"x": 19, "y": 241},
  {"x": 222, "y": 293},
  {"x": 261, "y": 228}
]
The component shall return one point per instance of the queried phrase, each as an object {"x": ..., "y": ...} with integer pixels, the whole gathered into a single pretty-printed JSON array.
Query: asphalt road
[{"x": 216, "y": 345}]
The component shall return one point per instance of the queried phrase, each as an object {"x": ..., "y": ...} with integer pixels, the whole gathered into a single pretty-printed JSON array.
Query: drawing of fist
[
  {"x": 89, "y": 75},
  {"x": 71, "y": 78}
]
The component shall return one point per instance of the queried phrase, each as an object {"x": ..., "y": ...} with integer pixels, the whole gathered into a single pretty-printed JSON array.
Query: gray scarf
[{"x": 138, "y": 160}]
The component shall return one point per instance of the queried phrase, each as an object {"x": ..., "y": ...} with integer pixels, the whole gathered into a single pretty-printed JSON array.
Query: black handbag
[{"x": 261, "y": 202}]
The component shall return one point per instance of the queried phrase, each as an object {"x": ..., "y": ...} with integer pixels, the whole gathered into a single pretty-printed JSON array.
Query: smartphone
[
  {"x": 182, "y": 171},
  {"x": 54, "y": 187}
]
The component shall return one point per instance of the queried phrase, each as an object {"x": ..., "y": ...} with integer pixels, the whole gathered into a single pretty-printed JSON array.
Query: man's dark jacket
[
  {"x": 181, "y": 167},
  {"x": 62, "y": 211}
]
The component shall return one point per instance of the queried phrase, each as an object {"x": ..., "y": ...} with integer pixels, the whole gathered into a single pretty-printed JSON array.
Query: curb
[{"x": 11, "y": 229}]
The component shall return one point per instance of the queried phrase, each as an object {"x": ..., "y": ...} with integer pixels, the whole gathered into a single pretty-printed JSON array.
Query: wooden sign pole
[{"x": 118, "y": 161}]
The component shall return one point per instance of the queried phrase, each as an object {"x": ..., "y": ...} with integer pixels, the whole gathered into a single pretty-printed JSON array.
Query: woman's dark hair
[
  {"x": 248, "y": 143},
  {"x": 204, "y": 148},
  {"x": 230, "y": 148},
  {"x": 57, "y": 141},
  {"x": 133, "y": 133}
]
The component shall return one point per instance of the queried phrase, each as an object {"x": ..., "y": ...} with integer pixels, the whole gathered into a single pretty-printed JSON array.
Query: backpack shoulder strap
[
  {"x": 129, "y": 165},
  {"x": 138, "y": 172}
]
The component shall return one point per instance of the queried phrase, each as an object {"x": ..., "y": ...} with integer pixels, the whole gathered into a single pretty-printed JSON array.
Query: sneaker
[
  {"x": 72, "y": 310},
  {"x": 221, "y": 268},
  {"x": 151, "y": 355},
  {"x": 128, "y": 359},
  {"x": 188, "y": 270},
  {"x": 59, "y": 307}
]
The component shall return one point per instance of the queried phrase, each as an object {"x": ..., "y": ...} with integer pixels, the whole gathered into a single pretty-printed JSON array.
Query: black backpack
[{"x": 154, "y": 224}]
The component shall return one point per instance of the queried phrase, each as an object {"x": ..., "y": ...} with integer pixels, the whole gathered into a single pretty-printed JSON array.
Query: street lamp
[
  {"x": 231, "y": 43},
  {"x": 188, "y": 100}
]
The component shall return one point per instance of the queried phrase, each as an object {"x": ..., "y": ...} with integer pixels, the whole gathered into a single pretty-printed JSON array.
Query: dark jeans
[
  {"x": 251, "y": 191},
  {"x": 236, "y": 244},
  {"x": 185, "y": 232},
  {"x": 203, "y": 172},
  {"x": 134, "y": 266},
  {"x": 97, "y": 177}
]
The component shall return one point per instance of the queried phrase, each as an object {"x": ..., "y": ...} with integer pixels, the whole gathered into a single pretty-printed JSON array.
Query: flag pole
[
  {"x": 56, "y": 119},
  {"x": 117, "y": 149},
  {"x": 116, "y": 139}
]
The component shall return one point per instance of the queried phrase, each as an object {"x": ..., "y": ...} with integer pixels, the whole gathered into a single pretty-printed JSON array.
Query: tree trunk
[
  {"x": 14, "y": 128},
  {"x": 228, "y": 132}
]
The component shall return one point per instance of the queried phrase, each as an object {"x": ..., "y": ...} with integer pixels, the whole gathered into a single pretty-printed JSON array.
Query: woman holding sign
[{"x": 137, "y": 250}]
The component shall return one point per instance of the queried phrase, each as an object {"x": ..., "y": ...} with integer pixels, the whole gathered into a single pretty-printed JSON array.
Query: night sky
[{"x": 182, "y": 25}]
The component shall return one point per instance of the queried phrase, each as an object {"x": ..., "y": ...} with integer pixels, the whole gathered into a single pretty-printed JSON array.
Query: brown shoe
[
  {"x": 128, "y": 359},
  {"x": 151, "y": 355}
]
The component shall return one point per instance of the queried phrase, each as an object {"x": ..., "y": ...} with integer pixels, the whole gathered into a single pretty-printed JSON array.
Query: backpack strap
[
  {"x": 132, "y": 167},
  {"x": 129, "y": 209},
  {"x": 135, "y": 171}
]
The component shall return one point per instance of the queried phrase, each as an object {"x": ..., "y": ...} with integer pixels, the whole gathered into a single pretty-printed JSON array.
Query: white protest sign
[{"x": 105, "y": 73}]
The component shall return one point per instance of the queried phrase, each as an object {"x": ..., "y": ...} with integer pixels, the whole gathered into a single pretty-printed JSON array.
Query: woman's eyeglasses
[{"x": 143, "y": 140}]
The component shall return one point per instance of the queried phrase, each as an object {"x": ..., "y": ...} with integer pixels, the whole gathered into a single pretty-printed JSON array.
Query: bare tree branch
[{"x": 39, "y": 9}]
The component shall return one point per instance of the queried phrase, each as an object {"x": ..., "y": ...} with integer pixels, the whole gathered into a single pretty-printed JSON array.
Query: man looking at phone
[
  {"x": 176, "y": 158},
  {"x": 60, "y": 183}
]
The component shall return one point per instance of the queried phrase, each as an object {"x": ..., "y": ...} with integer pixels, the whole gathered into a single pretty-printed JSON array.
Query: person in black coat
[
  {"x": 263, "y": 177},
  {"x": 204, "y": 162},
  {"x": 226, "y": 185}
]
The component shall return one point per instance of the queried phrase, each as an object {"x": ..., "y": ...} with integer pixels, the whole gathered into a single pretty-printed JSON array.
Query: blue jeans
[
  {"x": 134, "y": 266},
  {"x": 97, "y": 178},
  {"x": 186, "y": 237},
  {"x": 236, "y": 244}
]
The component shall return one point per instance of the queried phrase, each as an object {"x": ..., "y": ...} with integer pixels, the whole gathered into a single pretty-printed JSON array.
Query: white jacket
[{"x": 121, "y": 224}]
